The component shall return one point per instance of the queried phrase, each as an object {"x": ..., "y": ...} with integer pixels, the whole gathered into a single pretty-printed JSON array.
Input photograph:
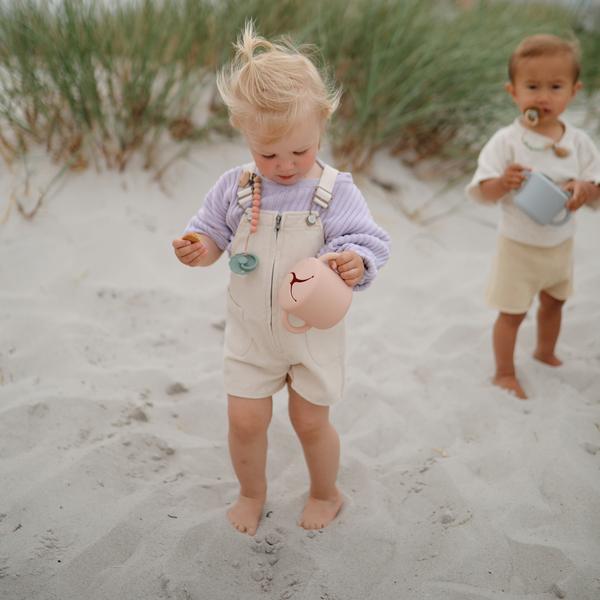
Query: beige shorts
[
  {"x": 521, "y": 271},
  {"x": 259, "y": 358}
]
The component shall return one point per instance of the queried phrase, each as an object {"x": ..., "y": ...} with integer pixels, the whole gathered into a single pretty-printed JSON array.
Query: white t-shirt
[{"x": 517, "y": 144}]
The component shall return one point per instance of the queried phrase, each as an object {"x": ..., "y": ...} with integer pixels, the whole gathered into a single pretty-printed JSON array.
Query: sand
[{"x": 114, "y": 467}]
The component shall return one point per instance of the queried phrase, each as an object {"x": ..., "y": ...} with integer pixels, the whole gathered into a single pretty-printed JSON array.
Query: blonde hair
[
  {"x": 545, "y": 45},
  {"x": 269, "y": 87}
]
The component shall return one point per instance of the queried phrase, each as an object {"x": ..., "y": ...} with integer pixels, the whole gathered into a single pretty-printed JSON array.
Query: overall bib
[{"x": 260, "y": 353}]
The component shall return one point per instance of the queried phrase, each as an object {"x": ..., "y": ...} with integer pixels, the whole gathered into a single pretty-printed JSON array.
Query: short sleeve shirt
[{"x": 517, "y": 144}]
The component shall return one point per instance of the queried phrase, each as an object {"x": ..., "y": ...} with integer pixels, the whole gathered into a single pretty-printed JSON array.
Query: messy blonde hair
[
  {"x": 270, "y": 87},
  {"x": 545, "y": 44}
]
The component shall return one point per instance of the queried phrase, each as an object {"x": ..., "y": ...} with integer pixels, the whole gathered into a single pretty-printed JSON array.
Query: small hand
[
  {"x": 582, "y": 192},
  {"x": 513, "y": 177},
  {"x": 189, "y": 253},
  {"x": 350, "y": 267}
]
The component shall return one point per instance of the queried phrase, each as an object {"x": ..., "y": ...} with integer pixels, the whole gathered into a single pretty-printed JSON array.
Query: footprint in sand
[
  {"x": 267, "y": 550},
  {"x": 4, "y": 567}
]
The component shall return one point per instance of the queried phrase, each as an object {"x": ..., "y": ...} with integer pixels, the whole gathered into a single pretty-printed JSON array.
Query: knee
[
  {"x": 247, "y": 426},
  {"x": 510, "y": 320},
  {"x": 308, "y": 427}
]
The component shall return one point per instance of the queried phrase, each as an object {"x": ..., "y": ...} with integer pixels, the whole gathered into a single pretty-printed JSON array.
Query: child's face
[
  {"x": 546, "y": 83},
  {"x": 290, "y": 159}
]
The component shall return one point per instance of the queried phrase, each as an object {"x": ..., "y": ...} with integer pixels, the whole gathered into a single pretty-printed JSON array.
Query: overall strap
[
  {"x": 322, "y": 197},
  {"x": 324, "y": 191}
]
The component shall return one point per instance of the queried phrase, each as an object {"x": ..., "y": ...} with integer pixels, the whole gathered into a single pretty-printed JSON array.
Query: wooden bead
[
  {"x": 560, "y": 151},
  {"x": 253, "y": 214}
]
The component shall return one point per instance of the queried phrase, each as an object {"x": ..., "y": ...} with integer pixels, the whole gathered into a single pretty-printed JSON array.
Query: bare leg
[
  {"x": 504, "y": 340},
  {"x": 548, "y": 321},
  {"x": 249, "y": 420},
  {"x": 321, "y": 446}
]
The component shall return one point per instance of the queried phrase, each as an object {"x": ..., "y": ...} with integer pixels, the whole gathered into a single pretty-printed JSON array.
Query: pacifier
[
  {"x": 243, "y": 263},
  {"x": 532, "y": 115}
]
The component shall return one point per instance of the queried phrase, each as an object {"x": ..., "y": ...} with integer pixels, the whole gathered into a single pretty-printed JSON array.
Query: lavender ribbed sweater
[{"x": 347, "y": 223}]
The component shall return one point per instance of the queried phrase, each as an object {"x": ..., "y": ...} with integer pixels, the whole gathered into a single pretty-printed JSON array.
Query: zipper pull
[{"x": 278, "y": 222}]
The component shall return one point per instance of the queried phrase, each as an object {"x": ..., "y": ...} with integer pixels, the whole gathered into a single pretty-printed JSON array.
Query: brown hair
[{"x": 545, "y": 45}]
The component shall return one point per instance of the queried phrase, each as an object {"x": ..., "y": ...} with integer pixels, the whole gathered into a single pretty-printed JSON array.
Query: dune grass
[
  {"x": 427, "y": 82},
  {"x": 96, "y": 83}
]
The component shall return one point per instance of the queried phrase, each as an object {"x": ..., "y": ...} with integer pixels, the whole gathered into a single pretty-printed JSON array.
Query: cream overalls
[{"x": 259, "y": 352}]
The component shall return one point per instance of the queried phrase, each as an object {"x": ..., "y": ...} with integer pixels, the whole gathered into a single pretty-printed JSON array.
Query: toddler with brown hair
[{"x": 534, "y": 259}]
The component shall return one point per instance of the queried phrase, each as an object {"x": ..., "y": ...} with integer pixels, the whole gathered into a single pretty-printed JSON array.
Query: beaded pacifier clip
[
  {"x": 532, "y": 116},
  {"x": 245, "y": 262}
]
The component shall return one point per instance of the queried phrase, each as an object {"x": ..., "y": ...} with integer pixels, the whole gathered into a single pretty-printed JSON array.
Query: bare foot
[
  {"x": 244, "y": 515},
  {"x": 548, "y": 359},
  {"x": 319, "y": 513},
  {"x": 510, "y": 384}
]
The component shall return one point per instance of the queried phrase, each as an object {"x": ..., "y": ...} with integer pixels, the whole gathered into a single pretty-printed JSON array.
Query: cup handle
[
  {"x": 293, "y": 328},
  {"x": 567, "y": 214}
]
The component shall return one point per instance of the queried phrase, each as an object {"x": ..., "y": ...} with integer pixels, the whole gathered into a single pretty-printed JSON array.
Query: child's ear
[
  {"x": 576, "y": 87},
  {"x": 510, "y": 88}
]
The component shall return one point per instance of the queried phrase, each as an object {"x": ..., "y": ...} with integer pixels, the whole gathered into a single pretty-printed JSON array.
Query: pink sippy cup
[{"x": 315, "y": 293}]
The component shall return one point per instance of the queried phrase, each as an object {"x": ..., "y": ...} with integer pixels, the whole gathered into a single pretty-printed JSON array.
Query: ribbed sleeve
[{"x": 350, "y": 226}]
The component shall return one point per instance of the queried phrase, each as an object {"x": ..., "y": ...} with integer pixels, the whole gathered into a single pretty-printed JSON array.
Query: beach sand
[{"x": 114, "y": 469}]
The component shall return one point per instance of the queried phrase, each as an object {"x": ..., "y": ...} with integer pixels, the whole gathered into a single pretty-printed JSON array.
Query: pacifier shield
[
  {"x": 532, "y": 115},
  {"x": 243, "y": 263}
]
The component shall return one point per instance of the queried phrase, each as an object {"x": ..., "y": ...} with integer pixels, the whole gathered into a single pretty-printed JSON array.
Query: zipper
[{"x": 277, "y": 228}]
